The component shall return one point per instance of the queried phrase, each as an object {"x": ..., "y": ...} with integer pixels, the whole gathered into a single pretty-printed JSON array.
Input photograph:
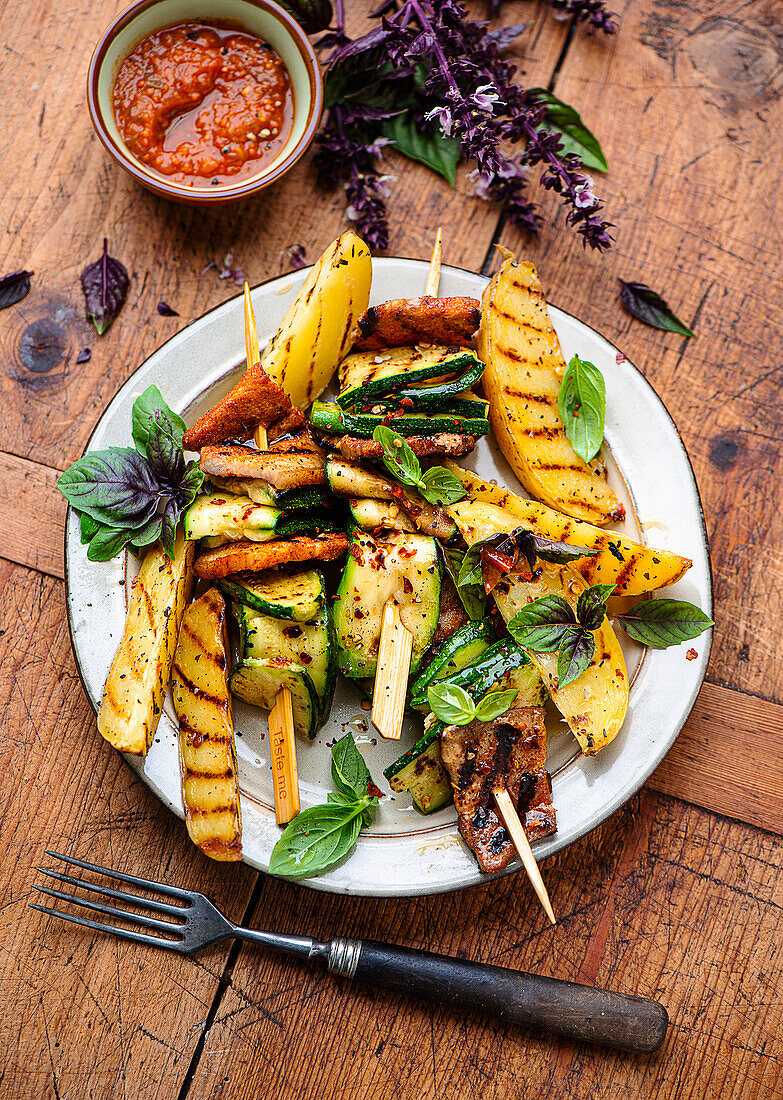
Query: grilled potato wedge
[
  {"x": 524, "y": 368},
  {"x": 633, "y": 568},
  {"x": 319, "y": 326},
  {"x": 594, "y": 704},
  {"x": 205, "y": 712},
  {"x": 139, "y": 674}
]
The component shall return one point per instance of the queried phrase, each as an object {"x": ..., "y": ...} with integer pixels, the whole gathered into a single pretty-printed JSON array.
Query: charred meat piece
[
  {"x": 510, "y": 752},
  {"x": 452, "y": 614},
  {"x": 252, "y": 557},
  {"x": 255, "y": 400},
  {"x": 443, "y": 443},
  {"x": 292, "y": 423},
  {"x": 280, "y": 470},
  {"x": 295, "y": 444},
  {"x": 406, "y": 322}
]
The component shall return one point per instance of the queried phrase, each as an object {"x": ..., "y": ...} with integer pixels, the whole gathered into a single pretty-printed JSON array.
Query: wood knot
[
  {"x": 740, "y": 61},
  {"x": 725, "y": 452},
  {"x": 43, "y": 342}
]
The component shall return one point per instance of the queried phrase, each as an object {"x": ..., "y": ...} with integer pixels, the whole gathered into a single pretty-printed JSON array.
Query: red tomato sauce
[{"x": 203, "y": 103}]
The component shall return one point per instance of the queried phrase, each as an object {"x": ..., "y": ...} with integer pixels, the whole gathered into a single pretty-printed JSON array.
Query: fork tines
[{"x": 174, "y": 929}]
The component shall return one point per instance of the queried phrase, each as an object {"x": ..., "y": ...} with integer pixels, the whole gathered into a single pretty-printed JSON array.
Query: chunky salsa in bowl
[{"x": 205, "y": 102}]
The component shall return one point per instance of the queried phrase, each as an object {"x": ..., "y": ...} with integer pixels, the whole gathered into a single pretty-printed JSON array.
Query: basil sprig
[
  {"x": 321, "y": 836},
  {"x": 582, "y": 405},
  {"x": 550, "y": 624},
  {"x": 437, "y": 485},
  {"x": 452, "y": 704},
  {"x": 129, "y": 497}
]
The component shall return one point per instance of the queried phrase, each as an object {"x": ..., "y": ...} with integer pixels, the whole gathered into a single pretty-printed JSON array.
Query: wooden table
[{"x": 679, "y": 894}]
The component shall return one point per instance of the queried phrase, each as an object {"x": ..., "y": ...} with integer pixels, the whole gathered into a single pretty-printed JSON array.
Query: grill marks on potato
[
  {"x": 204, "y": 709},
  {"x": 524, "y": 367}
]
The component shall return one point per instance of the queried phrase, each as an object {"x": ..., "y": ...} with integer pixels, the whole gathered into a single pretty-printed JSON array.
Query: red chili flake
[
  {"x": 502, "y": 562},
  {"x": 620, "y": 358},
  {"x": 406, "y": 552},
  {"x": 374, "y": 791},
  {"x": 406, "y": 403},
  {"x": 691, "y": 655}
]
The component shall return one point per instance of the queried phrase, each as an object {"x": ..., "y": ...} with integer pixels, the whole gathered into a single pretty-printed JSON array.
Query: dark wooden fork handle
[{"x": 576, "y": 1011}]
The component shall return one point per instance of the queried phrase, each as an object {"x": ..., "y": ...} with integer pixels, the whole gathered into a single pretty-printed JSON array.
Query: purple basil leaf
[
  {"x": 165, "y": 310},
  {"x": 369, "y": 41},
  {"x": 312, "y": 15},
  {"x": 164, "y": 454},
  {"x": 296, "y": 256},
  {"x": 84, "y": 356},
  {"x": 169, "y": 527},
  {"x": 542, "y": 625},
  {"x": 105, "y": 284},
  {"x": 663, "y": 623},
  {"x": 14, "y": 287},
  {"x": 591, "y": 605},
  {"x": 646, "y": 305},
  {"x": 575, "y": 654},
  {"x": 502, "y": 37},
  {"x": 115, "y": 487}
]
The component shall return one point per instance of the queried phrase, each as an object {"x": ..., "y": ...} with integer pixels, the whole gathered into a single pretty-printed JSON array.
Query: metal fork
[{"x": 576, "y": 1011}]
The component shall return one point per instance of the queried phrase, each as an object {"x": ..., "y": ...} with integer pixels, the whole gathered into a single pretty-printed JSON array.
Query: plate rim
[{"x": 320, "y": 883}]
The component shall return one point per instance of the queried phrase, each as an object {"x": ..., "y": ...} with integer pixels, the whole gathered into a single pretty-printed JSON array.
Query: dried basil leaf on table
[
  {"x": 14, "y": 287},
  {"x": 645, "y": 304},
  {"x": 165, "y": 310},
  {"x": 105, "y": 284}
]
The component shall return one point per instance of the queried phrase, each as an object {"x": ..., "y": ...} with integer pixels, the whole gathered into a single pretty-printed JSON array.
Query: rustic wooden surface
[{"x": 679, "y": 895}]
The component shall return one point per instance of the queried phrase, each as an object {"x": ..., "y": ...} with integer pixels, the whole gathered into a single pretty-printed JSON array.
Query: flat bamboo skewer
[
  {"x": 253, "y": 356},
  {"x": 516, "y": 829},
  {"x": 396, "y": 644},
  {"x": 282, "y": 744},
  {"x": 433, "y": 278}
]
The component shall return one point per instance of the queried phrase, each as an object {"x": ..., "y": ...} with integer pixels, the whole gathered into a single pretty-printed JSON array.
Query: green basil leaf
[
  {"x": 663, "y": 623},
  {"x": 646, "y": 305},
  {"x": 474, "y": 599},
  {"x": 438, "y": 152},
  {"x": 349, "y": 771},
  {"x": 115, "y": 487},
  {"x": 107, "y": 542},
  {"x": 451, "y": 704},
  {"x": 591, "y": 605},
  {"x": 88, "y": 527},
  {"x": 150, "y": 412},
  {"x": 317, "y": 838},
  {"x": 146, "y": 535},
  {"x": 398, "y": 458},
  {"x": 582, "y": 405},
  {"x": 440, "y": 486},
  {"x": 574, "y": 135},
  {"x": 575, "y": 654},
  {"x": 494, "y": 704},
  {"x": 542, "y": 624}
]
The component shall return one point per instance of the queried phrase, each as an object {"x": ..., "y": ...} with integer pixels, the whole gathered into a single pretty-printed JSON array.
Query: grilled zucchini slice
[
  {"x": 461, "y": 649},
  {"x": 283, "y": 594},
  {"x": 230, "y": 518},
  {"x": 367, "y": 374},
  {"x": 258, "y": 682},
  {"x": 139, "y": 675},
  {"x": 404, "y": 567},
  {"x": 420, "y": 771},
  {"x": 376, "y": 515},
  {"x": 205, "y": 713},
  {"x": 329, "y": 417},
  {"x": 307, "y": 644}
]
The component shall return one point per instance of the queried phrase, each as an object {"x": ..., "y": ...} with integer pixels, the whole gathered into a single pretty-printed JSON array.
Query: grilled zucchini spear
[
  {"x": 139, "y": 674},
  {"x": 204, "y": 708},
  {"x": 524, "y": 368}
]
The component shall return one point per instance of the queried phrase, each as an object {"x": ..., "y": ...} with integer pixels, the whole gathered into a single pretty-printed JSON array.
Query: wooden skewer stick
[
  {"x": 282, "y": 746},
  {"x": 433, "y": 279},
  {"x": 517, "y": 832},
  {"x": 396, "y": 644},
  {"x": 391, "y": 677},
  {"x": 253, "y": 356},
  {"x": 285, "y": 776}
]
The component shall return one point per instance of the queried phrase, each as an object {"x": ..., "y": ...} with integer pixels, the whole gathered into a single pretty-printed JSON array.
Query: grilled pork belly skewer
[{"x": 495, "y": 767}]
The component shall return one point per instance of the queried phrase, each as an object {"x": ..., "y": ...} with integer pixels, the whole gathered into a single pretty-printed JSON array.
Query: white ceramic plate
[{"x": 404, "y": 853}]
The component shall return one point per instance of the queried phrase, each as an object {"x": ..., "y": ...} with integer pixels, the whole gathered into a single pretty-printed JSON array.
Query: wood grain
[
  {"x": 681, "y": 896},
  {"x": 83, "y": 1014},
  {"x": 32, "y": 515}
]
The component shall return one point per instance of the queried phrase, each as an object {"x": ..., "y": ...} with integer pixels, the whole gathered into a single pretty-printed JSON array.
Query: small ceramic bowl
[{"x": 260, "y": 17}]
